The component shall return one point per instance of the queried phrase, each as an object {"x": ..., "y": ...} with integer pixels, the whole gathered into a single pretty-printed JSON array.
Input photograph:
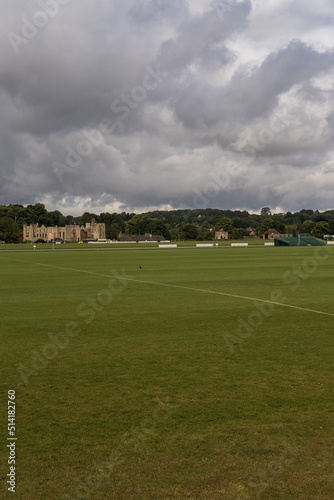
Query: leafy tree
[
  {"x": 205, "y": 235},
  {"x": 225, "y": 223},
  {"x": 16, "y": 212},
  {"x": 52, "y": 219},
  {"x": 271, "y": 224},
  {"x": 36, "y": 213},
  {"x": 279, "y": 226},
  {"x": 190, "y": 232},
  {"x": 74, "y": 220},
  {"x": 127, "y": 217},
  {"x": 63, "y": 221},
  {"x": 205, "y": 226},
  {"x": 237, "y": 234},
  {"x": 240, "y": 223},
  {"x": 321, "y": 218},
  {"x": 158, "y": 227},
  {"x": 304, "y": 215},
  {"x": 9, "y": 230},
  {"x": 87, "y": 217},
  {"x": 110, "y": 219},
  {"x": 113, "y": 231},
  {"x": 308, "y": 226},
  {"x": 144, "y": 225},
  {"x": 174, "y": 234},
  {"x": 320, "y": 229},
  {"x": 288, "y": 216},
  {"x": 290, "y": 228},
  {"x": 265, "y": 212},
  {"x": 132, "y": 225}
]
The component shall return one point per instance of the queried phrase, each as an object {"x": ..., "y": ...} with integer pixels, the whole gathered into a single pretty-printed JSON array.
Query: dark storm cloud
[
  {"x": 198, "y": 39},
  {"x": 290, "y": 66},
  {"x": 142, "y": 103}
]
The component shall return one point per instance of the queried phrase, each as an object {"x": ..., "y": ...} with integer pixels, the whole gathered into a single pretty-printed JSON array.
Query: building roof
[{"x": 271, "y": 231}]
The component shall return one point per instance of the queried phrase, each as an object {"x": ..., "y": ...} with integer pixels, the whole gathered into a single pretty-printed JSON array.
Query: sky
[{"x": 124, "y": 105}]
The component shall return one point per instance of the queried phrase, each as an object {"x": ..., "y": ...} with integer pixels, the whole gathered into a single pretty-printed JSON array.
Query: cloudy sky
[{"x": 143, "y": 104}]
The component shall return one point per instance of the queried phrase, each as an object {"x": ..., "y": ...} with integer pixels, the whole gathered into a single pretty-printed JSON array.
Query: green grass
[
  {"x": 120, "y": 245},
  {"x": 159, "y": 397}
]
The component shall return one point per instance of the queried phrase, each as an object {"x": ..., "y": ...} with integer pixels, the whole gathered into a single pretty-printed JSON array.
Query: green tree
[
  {"x": 205, "y": 235},
  {"x": 110, "y": 219},
  {"x": 224, "y": 223},
  {"x": 205, "y": 226},
  {"x": 237, "y": 234},
  {"x": 271, "y": 224},
  {"x": 320, "y": 229},
  {"x": 190, "y": 232},
  {"x": 36, "y": 213},
  {"x": 158, "y": 227},
  {"x": 147, "y": 225},
  {"x": 112, "y": 231},
  {"x": 240, "y": 223},
  {"x": 63, "y": 221},
  {"x": 132, "y": 226},
  {"x": 265, "y": 212},
  {"x": 87, "y": 217},
  {"x": 308, "y": 226},
  {"x": 9, "y": 230},
  {"x": 144, "y": 225},
  {"x": 289, "y": 218},
  {"x": 174, "y": 234},
  {"x": 290, "y": 228}
]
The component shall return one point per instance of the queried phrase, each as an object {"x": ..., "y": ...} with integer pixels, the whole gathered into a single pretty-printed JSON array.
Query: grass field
[
  {"x": 119, "y": 245},
  {"x": 169, "y": 374}
]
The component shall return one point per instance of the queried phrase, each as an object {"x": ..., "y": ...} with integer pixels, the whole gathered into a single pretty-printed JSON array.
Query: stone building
[
  {"x": 221, "y": 235},
  {"x": 252, "y": 232},
  {"x": 271, "y": 234},
  {"x": 70, "y": 233}
]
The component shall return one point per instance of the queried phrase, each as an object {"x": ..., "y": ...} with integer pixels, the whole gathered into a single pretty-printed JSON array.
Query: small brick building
[{"x": 270, "y": 234}]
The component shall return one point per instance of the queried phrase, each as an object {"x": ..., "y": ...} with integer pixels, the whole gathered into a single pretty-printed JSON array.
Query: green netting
[
  {"x": 286, "y": 241},
  {"x": 309, "y": 240},
  {"x": 303, "y": 241}
]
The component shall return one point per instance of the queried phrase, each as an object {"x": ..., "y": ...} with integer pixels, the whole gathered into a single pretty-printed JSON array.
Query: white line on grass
[{"x": 180, "y": 287}]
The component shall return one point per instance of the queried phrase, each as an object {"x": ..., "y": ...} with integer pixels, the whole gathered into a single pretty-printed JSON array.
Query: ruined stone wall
[{"x": 69, "y": 233}]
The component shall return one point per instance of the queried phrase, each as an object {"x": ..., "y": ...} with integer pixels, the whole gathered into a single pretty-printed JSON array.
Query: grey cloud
[
  {"x": 258, "y": 93},
  {"x": 197, "y": 38},
  {"x": 149, "y": 11},
  {"x": 211, "y": 106}
]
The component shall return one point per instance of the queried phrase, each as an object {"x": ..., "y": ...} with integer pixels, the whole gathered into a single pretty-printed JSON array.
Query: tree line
[{"x": 183, "y": 224}]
